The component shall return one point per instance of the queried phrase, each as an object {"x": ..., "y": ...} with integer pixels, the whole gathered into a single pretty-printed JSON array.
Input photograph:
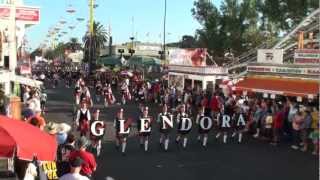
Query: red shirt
[
  {"x": 214, "y": 104},
  {"x": 89, "y": 162},
  {"x": 278, "y": 120},
  {"x": 204, "y": 102}
]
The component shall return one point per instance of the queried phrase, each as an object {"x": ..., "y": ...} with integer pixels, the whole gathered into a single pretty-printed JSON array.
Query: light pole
[
  {"x": 91, "y": 31},
  {"x": 164, "y": 29}
]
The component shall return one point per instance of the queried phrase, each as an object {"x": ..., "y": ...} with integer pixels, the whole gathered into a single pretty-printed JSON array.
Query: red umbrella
[{"x": 25, "y": 140}]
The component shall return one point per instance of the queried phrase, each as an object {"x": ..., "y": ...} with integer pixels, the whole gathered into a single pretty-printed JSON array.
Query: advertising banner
[
  {"x": 30, "y": 15},
  {"x": 284, "y": 70},
  {"x": 188, "y": 57},
  {"x": 272, "y": 56},
  {"x": 307, "y": 56}
]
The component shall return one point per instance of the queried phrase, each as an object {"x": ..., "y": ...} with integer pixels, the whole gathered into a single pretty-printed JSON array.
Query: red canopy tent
[
  {"x": 281, "y": 86},
  {"x": 25, "y": 141}
]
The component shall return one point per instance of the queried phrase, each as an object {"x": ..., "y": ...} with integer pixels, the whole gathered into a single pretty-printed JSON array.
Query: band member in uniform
[
  {"x": 164, "y": 127},
  {"x": 121, "y": 136},
  {"x": 125, "y": 92},
  {"x": 77, "y": 96},
  {"x": 141, "y": 93},
  {"x": 96, "y": 133},
  {"x": 145, "y": 131},
  {"x": 98, "y": 91},
  {"x": 108, "y": 95},
  {"x": 226, "y": 118},
  {"x": 79, "y": 82},
  {"x": 184, "y": 126},
  {"x": 239, "y": 122},
  {"x": 203, "y": 128},
  {"x": 85, "y": 94},
  {"x": 83, "y": 118}
]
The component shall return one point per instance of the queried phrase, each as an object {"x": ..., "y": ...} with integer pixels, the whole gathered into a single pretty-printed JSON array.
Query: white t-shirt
[
  {"x": 34, "y": 104},
  {"x": 70, "y": 176},
  {"x": 31, "y": 172},
  {"x": 26, "y": 96}
]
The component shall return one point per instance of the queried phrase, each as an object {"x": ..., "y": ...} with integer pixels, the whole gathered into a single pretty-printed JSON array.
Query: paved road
[{"x": 250, "y": 160}]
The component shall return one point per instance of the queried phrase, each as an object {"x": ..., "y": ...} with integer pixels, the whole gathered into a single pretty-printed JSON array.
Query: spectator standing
[
  {"x": 306, "y": 128},
  {"x": 88, "y": 167},
  {"x": 297, "y": 121},
  {"x": 74, "y": 173}
]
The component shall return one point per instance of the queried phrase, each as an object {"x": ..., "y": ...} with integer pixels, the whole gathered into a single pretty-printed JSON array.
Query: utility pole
[
  {"x": 91, "y": 31},
  {"x": 164, "y": 29}
]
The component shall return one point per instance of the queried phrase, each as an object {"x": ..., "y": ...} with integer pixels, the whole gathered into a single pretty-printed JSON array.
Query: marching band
[{"x": 229, "y": 118}]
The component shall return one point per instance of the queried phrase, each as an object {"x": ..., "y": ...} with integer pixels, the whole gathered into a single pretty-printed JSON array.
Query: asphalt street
[{"x": 251, "y": 160}]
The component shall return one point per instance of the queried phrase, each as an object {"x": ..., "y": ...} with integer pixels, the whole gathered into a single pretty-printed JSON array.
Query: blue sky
[{"x": 148, "y": 19}]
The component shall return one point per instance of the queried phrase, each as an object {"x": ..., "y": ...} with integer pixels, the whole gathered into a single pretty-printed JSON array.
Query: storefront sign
[
  {"x": 25, "y": 69},
  {"x": 274, "y": 56},
  {"x": 307, "y": 56},
  {"x": 208, "y": 70},
  {"x": 284, "y": 70},
  {"x": 30, "y": 15},
  {"x": 188, "y": 57}
]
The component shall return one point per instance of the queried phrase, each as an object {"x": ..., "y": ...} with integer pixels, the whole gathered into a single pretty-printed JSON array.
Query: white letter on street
[
  {"x": 184, "y": 123},
  {"x": 241, "y": 120},
  {"x": 122, "y": 130},
  {"x": 209, "y": 120},
  {"x": 167, "y": 121},
  {"x": 226, "y": 121},
  {"x": 94, "y": 129},
  {"x": 145, "y": 125}
]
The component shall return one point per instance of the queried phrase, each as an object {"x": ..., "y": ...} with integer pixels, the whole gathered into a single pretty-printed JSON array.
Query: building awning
[
  {"x": 280, "y": 86},
  {"x": 6, "y": 76}
]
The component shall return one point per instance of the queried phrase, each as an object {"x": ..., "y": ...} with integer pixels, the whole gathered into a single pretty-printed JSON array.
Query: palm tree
[
  {"x": 93, "y": 44},
  {"x": 74, "y": 44}
]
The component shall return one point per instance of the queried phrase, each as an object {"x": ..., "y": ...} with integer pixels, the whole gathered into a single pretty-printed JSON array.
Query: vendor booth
[
  {"x": 10, "y": 84},
  {"x": 272, "y": 77},
  {"x": 187, "y": 68}
]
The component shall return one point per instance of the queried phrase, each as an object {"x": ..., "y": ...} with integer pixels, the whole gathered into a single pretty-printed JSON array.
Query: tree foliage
[
  {"x": 95, "y": 43},
  {"x": 241, "y": 25}
]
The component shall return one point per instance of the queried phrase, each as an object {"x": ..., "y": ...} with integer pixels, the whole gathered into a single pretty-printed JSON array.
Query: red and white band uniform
[
  {"x": 125, "y": 93},
  {"x": 97, "y": 136},
  {"x": 164, "y": 127},
  {"x": 204, "y": 126},
  {"x": 184, "y": 126},
  {"x": 121, "y": 136},
  {"x": 109, "y": 98},
  {"x": 144, "y": 128},
  {"x": 85, "y": 94},
  {"x": 83, "y": 118}
]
